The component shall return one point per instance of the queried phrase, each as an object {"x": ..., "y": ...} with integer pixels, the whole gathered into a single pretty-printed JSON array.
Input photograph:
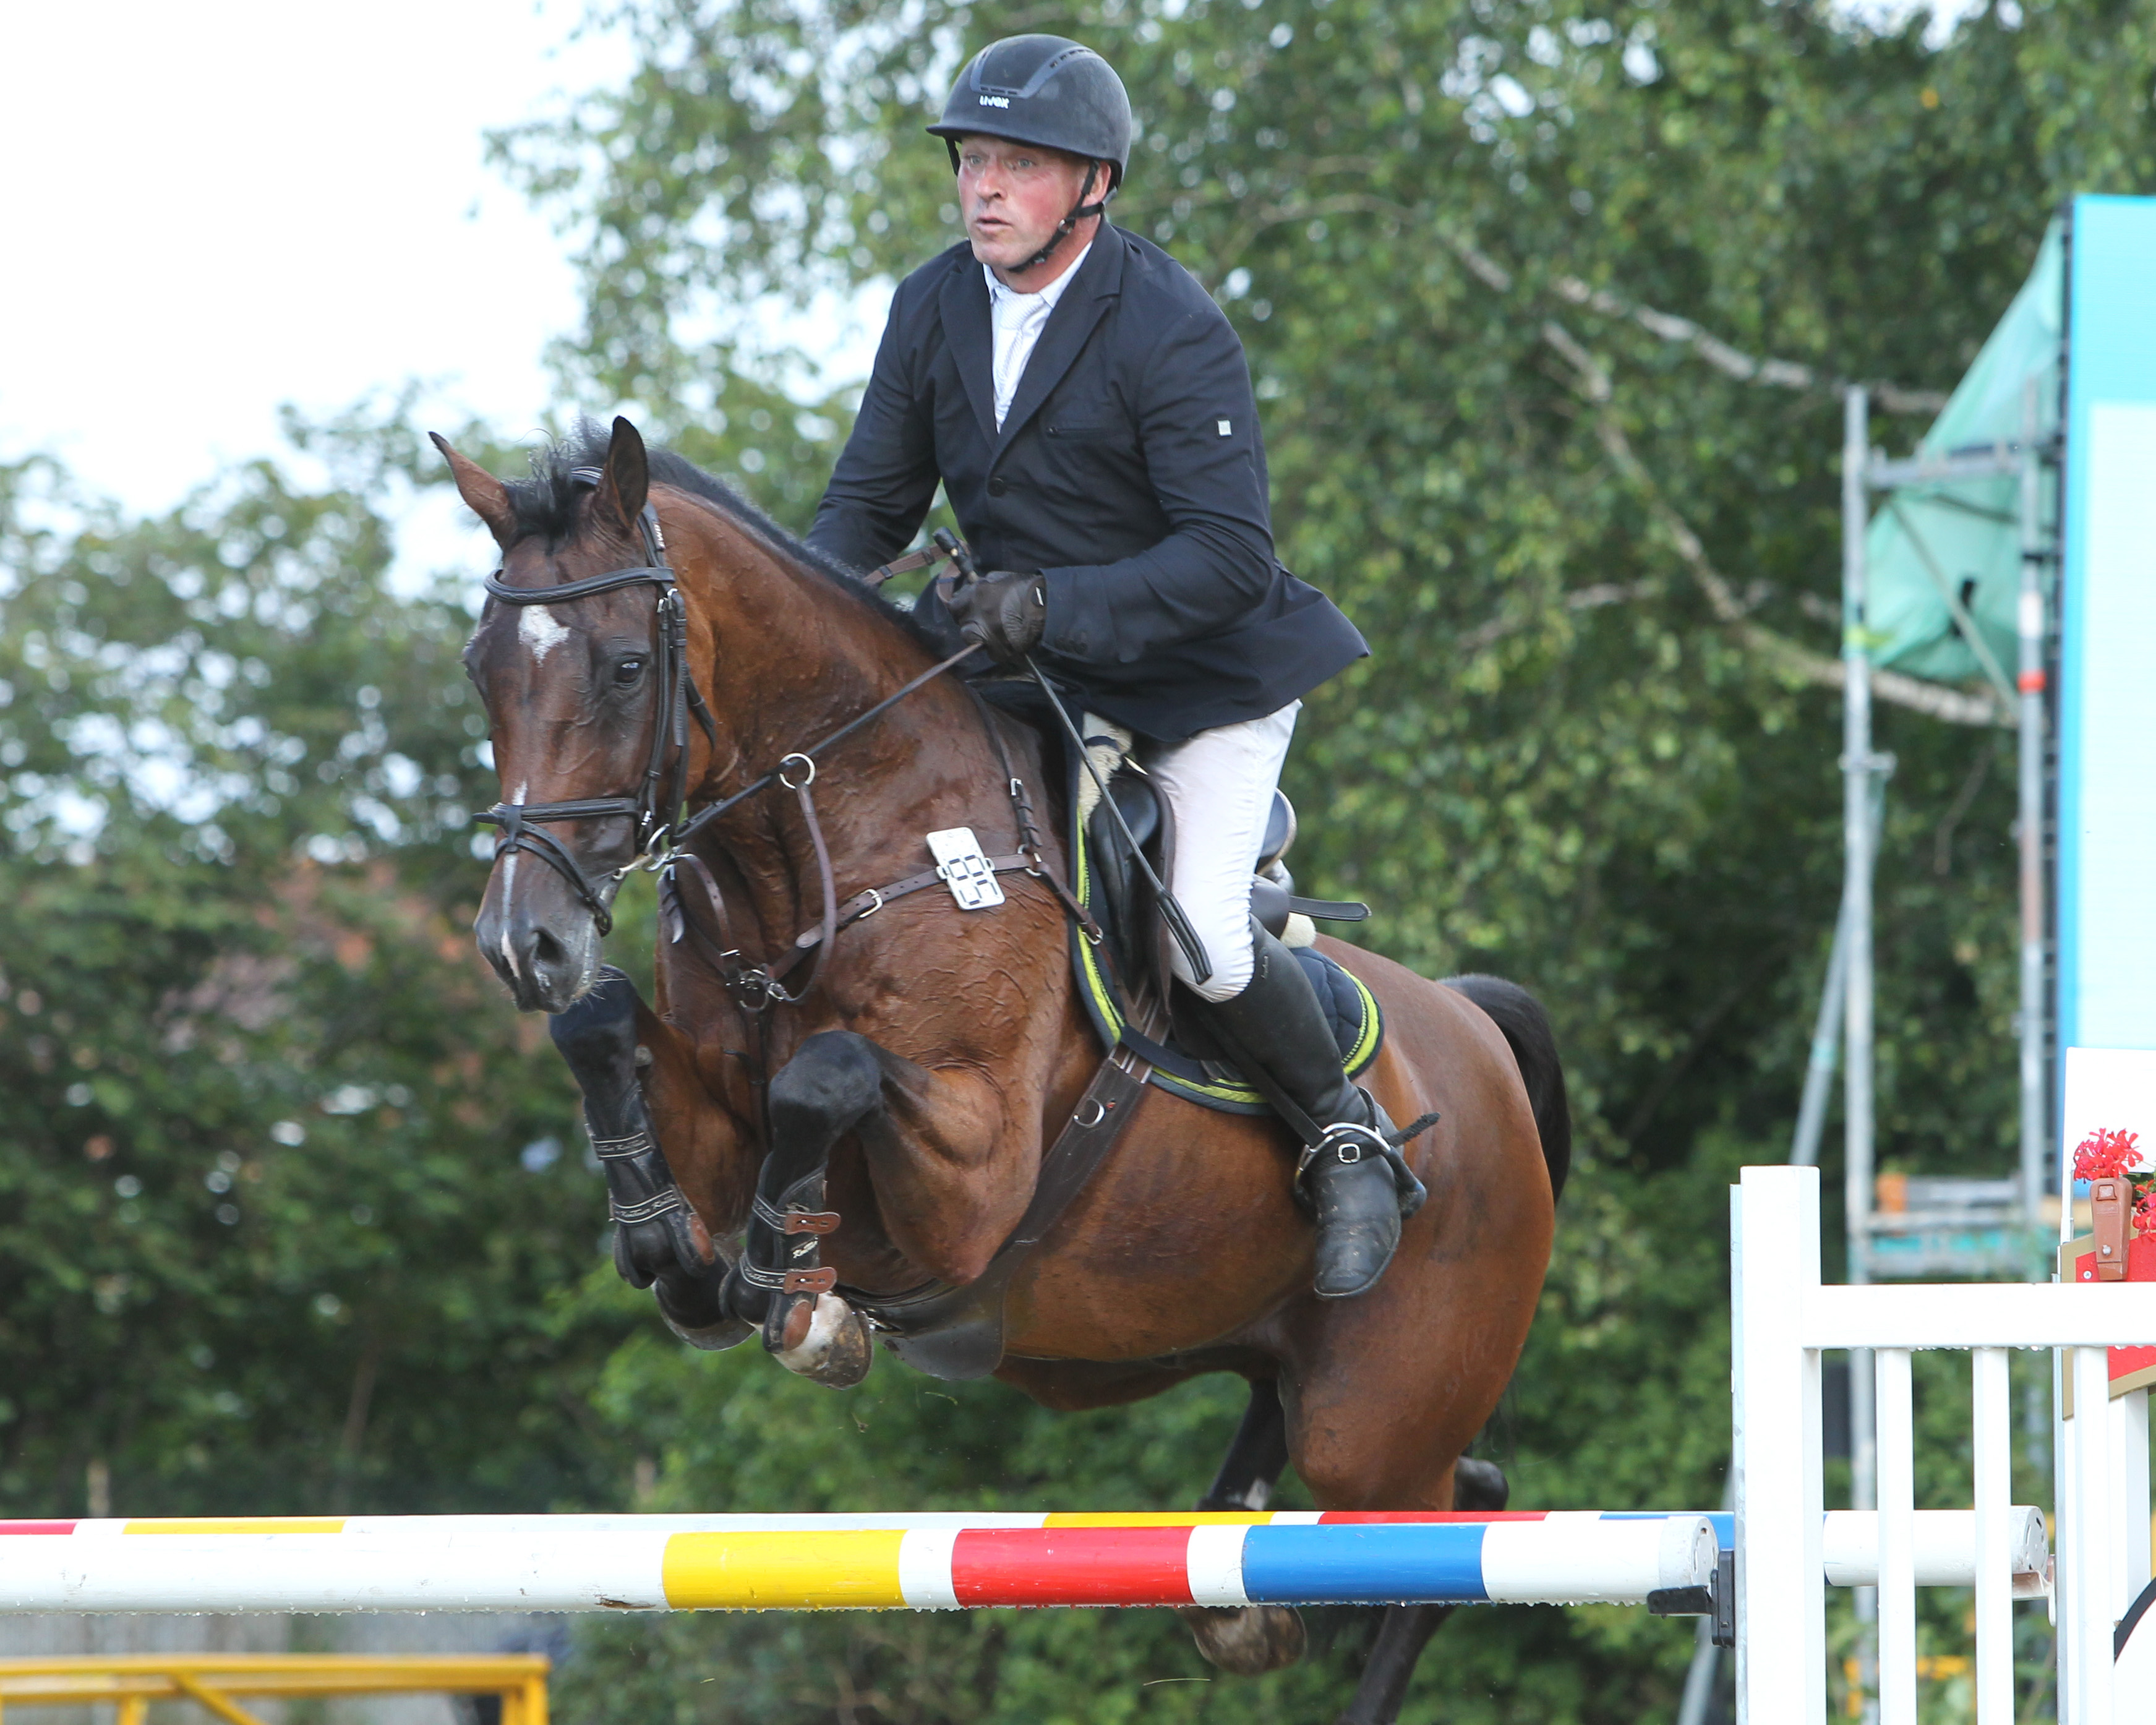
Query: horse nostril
[{"x": 546, "y": 952}]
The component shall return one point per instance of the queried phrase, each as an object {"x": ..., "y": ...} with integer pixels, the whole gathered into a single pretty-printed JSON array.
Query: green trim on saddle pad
[{"x": 1104, "y": 1005}]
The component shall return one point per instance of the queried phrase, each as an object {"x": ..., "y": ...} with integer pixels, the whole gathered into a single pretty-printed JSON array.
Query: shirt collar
[{"x": 1047, "y": 296}]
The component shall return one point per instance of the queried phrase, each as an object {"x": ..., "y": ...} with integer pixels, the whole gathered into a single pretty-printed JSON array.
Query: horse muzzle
[{"x": 543, "y": 945}]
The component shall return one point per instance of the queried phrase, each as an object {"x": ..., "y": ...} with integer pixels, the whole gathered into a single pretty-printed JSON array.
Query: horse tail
[{"x": 1526, "y": 1028}]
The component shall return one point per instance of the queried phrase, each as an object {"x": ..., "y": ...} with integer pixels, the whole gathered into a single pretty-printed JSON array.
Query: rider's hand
[{"x": 1003, "y": 611}]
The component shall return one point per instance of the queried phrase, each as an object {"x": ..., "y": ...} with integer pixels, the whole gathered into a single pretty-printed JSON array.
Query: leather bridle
[{"x": 658, "y": 814}]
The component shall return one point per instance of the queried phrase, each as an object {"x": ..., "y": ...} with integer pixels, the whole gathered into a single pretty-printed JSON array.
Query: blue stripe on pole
[{"x": 1366, "y": 1564}]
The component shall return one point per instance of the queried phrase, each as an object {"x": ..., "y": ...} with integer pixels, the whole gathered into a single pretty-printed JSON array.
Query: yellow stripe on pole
[
  {"x": 708, "y": 1572},
  {"x": 1164, "y": 1519},
  {"x": 241, "y": 1524}
]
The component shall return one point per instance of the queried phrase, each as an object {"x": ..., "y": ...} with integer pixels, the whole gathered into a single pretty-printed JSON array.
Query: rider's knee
[{"x": 1227, "y": 948}]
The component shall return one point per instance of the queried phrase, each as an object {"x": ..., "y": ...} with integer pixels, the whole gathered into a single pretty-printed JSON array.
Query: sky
[{"x": 216, "y": 207}]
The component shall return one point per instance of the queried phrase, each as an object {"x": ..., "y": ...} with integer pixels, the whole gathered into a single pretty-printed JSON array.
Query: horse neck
[{"x": 784, "y": 660}]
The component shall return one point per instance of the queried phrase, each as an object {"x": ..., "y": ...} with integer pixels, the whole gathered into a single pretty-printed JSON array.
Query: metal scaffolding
[{"x": 1972, "y": 1226}]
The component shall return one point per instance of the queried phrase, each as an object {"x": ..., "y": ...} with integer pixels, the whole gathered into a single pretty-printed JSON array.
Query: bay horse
[{"x": 921, "y": 1074}]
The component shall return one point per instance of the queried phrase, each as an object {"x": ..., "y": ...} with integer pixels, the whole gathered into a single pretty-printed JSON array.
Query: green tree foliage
[
  {"x": 1595, "y": 545},
  {"x": 266, "y": 1242},
  {"x": 261, "y": 1194},
  {"x": 1591, "y": 749}
]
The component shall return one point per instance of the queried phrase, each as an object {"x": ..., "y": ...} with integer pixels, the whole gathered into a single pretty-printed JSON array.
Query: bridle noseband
[{"x": 658, "y": 817}]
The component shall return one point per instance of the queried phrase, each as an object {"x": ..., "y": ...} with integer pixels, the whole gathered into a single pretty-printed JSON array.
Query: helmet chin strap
[{"x": 1079, "y": 211}]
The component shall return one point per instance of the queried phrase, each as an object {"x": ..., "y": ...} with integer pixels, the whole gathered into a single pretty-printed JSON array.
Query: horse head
[{"x": 586, "y": 697}]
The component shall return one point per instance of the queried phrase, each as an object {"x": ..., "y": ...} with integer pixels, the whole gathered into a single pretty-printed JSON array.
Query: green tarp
[{"x": 1965, "y": 538}]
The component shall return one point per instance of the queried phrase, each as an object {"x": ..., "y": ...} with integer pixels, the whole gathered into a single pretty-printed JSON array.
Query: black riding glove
[{"x": 1004, "y": 611}]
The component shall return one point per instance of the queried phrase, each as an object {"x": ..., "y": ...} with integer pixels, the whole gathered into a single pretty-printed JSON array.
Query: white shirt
[{"x": 1017, "y": 320}]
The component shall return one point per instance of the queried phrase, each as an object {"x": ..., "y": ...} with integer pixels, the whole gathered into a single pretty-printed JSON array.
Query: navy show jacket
[{"x": 1129, "y": 470}]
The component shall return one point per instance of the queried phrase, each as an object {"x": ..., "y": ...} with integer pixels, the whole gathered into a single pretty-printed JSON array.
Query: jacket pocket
[{"x": 1090, "y": 431}]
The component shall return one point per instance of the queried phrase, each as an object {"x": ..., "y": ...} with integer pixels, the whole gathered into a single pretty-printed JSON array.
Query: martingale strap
[{"x": 756, "y": 987}]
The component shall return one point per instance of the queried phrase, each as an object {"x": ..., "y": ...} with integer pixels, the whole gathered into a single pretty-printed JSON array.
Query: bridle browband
[{"x": 658, "y": 816}]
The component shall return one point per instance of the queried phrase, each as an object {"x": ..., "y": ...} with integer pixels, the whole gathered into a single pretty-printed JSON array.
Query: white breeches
[{"x": 1219, "y": 783}]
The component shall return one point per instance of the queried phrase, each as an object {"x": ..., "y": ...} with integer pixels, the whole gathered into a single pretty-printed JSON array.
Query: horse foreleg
[
  {"x": 831, "y": 1084},
  {"x": 1405, "y": 1630},
  {"x": 1249, "y": 1640},
  {"x": 658, "y": 1238},
  {"x": 1254, "y": 1459}
]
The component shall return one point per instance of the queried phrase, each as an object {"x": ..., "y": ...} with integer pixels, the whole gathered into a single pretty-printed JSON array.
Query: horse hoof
[
  {"x": 713, "y": 1338},
  {"x": 1479, "y": 1485},
  {"x": 1245, "y": 1640},
  {"x": 836, "y": 1350},
  {"x": 695, "y": 1310}
]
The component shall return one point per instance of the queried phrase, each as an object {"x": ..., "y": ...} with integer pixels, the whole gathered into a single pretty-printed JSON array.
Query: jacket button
[{"x": 997, "y": 487}]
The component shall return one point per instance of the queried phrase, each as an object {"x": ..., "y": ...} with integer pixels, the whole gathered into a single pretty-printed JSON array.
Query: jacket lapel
[
  {"x": 1099, "y": 280},
  {"x": 964, "y": 306}
]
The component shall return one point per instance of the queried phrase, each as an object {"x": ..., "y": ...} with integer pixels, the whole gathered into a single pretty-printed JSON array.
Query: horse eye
[{"x": 627, "y": 672}]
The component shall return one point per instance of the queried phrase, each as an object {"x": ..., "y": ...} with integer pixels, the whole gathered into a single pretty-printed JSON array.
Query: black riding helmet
[
  {"x": 1047, "y": 91},
  {"x": 1041, "y": 89}
]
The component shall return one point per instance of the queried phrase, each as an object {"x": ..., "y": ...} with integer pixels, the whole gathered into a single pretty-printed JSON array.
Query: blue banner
[{"x": 2107, "y": 697}]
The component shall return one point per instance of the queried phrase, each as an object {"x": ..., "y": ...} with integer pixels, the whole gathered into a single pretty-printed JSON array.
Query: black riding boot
[{"x": 1353, "y": 1182}]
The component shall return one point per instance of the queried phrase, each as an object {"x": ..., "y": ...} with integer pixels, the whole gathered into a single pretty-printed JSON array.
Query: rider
[{"x": 1078, "y": 393}]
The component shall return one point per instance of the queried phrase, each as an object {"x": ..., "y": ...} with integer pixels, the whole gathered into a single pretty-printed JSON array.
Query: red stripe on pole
[
  {"x": 1385, "y": 1517},
  {"x": 36, "y": 1527},
  {"x": 1071, "y": 1566}
]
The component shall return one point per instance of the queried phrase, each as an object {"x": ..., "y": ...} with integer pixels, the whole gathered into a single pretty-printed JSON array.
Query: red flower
[
  {"x": 2144, "y": 1212},
  {"x": 2106, "y": 1155}
]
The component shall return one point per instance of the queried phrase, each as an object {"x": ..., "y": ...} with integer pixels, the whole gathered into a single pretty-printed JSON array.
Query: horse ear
[
  {"x": 487, "y": 497},
  {"x": 626, "y": 480}
]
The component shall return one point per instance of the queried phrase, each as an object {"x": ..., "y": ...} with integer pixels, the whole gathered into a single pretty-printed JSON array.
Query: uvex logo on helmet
[{"x": 995, "y": 101}]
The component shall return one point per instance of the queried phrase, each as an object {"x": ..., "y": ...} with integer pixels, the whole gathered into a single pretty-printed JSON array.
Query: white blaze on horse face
[
  {"x": 541, "y": 631},
  {"x": 508, "y": 883}
]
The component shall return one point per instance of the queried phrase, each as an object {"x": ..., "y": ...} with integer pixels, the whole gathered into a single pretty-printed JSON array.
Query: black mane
[{"x": 548, "y": 503}]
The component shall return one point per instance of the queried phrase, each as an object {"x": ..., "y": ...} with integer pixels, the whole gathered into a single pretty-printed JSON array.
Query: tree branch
[
  {"x": 1732, "y": 361},
  {"x": 1797, "y": 662},
  {"x": 1580, "y": 598}
]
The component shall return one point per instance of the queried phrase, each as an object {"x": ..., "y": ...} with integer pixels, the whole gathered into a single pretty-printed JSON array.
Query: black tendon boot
[
  {"x": 781, "y": 1273},
  {"x": 1352, "y": 1180}
]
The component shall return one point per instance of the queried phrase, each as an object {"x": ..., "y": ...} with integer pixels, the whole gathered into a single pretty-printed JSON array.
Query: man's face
[{"x": 1014, "y": 195}]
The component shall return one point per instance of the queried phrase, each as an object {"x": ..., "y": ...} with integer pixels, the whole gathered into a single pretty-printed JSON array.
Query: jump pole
[
  {"x": 793, "y": 1563},
  {"x": 931, "y": 1560}
]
